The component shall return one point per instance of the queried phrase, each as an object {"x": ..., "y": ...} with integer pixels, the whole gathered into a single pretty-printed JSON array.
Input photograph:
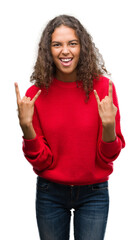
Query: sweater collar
[{"x": 65, "y": 84}]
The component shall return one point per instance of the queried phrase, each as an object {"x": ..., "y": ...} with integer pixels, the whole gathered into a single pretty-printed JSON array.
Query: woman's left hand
[{"x": 107, "y": 110}]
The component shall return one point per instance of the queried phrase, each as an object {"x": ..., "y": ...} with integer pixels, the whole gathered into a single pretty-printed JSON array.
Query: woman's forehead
[{"x": 64, "y": 33}]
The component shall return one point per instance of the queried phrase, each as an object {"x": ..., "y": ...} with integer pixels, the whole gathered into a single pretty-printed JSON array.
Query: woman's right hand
[{"x": 25, "y": 112}]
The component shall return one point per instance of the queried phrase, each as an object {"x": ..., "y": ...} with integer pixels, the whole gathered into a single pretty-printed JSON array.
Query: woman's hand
[
  {"x": 107, "y": 112},
  {"x": 25, "y": 113}
]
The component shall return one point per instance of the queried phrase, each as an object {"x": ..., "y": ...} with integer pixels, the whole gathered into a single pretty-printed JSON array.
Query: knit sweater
[{"x": 68, "y": 147}]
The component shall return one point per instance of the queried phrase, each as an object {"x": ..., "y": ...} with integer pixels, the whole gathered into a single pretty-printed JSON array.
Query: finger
[
  {"x": 36, "y": 96},
  {"x": 110, "y": 89},
  {"x": 17, "y": 92},
  {"x": 97, "y": 97}
]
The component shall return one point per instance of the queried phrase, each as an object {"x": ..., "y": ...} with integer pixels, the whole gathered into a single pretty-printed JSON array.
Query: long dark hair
[{"x": 90, "y": 66}]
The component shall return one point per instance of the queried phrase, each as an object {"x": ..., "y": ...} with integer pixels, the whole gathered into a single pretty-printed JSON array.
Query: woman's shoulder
[
  {"x": 31, "y": 91},
  {"x": 101, "y": 85},
  {"x": 102, "y": 81}
]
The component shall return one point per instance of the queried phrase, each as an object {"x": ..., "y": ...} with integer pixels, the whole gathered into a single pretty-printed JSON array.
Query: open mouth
[{"x": 66, "y": 61}]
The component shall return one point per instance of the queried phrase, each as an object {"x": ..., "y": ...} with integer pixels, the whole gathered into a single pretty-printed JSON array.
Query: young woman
[{"x": 71, "y": 132}]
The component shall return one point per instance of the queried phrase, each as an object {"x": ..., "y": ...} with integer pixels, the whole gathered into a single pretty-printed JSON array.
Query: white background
[{"x": 114, "y": 26}]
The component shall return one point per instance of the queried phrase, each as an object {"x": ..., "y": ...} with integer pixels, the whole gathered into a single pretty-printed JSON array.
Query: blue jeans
[{"x": 53, "y": 210}]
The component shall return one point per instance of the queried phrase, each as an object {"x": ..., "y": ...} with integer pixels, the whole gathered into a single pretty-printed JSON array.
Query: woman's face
[{"x": 65, "y": 49}]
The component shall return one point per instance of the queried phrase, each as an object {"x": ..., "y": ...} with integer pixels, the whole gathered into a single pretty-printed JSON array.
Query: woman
[{"x": 71, "y": 132}]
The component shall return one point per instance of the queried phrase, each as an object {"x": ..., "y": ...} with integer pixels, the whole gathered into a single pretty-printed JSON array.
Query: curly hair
[{"x": 90, "y": 66}]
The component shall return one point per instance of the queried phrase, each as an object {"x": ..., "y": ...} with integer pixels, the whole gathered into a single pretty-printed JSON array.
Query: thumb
[{"x": 97, "y": 97}]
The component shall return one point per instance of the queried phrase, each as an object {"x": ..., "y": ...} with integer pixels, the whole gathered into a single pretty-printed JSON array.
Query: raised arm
[
  {"x": 110, "y": 138},
  {"x": 35, "y": 147}
]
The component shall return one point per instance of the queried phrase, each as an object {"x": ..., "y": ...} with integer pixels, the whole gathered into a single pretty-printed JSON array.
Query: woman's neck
[{"x": 66, "y": 77}]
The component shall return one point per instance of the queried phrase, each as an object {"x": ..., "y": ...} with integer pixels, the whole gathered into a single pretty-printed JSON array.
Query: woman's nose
[{"x": 65, "y": 50}]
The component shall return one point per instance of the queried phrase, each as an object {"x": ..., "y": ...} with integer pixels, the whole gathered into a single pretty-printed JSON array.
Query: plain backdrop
[{"x": 114, "y": 26}]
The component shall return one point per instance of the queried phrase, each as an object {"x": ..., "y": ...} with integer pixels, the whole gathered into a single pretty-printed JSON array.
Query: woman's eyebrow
[
  {"x": 55, "y": 42},
  {"x": 74, "y": 40}
]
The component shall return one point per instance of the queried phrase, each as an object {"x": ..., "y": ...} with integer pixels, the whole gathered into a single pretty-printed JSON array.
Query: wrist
[
  {"x": 28, "y": 131},
  {"x": 25, "y": 125},
  {"x": 108, "y": 132},
  {"x": 108, "y": 124}
]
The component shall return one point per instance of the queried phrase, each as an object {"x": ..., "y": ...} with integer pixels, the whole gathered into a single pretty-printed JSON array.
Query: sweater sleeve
[
  {"x": 109, "y": 151},
  {"x": 37, "y": 150}
]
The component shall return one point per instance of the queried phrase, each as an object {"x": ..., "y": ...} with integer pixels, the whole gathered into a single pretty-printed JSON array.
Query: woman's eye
[
  {"x": 56, "y": 45},
  {"x": 73, "y": 44}
]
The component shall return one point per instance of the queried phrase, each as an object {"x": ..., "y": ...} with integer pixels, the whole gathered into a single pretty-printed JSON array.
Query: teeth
[{"x": 66, "y": 59}]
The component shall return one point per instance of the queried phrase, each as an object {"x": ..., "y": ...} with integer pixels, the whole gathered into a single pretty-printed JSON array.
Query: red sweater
[{"x": 68, "y": 148}]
